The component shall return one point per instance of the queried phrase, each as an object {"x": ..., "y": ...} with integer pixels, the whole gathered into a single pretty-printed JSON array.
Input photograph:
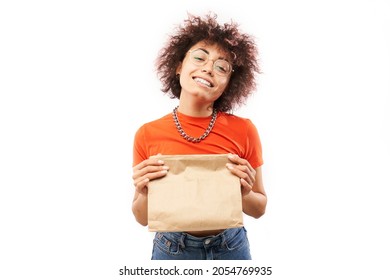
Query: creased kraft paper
[{"x": 198, "y": 193}]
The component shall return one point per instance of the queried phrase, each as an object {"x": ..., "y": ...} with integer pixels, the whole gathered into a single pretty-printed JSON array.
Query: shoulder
[
  {"x": 231, "y": 119},
  {"x": 238, "y": 125},
  {"x": 154, "y": 127},
  {"x": 157, "y": 122}
]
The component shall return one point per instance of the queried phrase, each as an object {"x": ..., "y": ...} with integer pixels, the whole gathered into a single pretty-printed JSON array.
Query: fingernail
[
  {"x": 160, "y": 162},
  {"x": 229, "y": 165},
  {"x": 230, "y": 156},
  {"x": 165, "y": 167}
]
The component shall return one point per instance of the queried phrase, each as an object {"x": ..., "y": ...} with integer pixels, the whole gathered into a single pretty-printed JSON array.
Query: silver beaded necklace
[{"x": 190, "y": 138}]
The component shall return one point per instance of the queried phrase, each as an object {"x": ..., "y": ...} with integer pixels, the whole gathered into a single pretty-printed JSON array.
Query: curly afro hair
[{"x": 240, "y": 46}]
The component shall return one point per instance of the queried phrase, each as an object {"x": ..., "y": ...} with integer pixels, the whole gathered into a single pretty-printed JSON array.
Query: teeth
[{"x": 204, "y": 82}]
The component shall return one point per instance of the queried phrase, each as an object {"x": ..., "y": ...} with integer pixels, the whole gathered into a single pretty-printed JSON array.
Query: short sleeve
[
  {"x": 253, "y": 148},
  {"x": 139, "y": 148}
]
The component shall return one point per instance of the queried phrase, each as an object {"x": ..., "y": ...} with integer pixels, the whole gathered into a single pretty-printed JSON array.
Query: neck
[{"x": 196, "y": 110}]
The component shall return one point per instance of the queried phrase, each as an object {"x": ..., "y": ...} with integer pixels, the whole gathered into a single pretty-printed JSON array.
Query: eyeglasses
[{"x": 221, "y": 66}]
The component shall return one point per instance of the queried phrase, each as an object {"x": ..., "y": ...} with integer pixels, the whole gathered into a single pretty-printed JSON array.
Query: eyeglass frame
[{"x": 214, "y": 61}]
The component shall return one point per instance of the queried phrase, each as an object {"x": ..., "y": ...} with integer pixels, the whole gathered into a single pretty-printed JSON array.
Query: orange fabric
[{"x": 231, "y": 134}]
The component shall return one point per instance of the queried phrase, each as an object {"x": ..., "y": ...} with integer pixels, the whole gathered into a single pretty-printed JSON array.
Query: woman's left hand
[{"x": 242, "y": 169}]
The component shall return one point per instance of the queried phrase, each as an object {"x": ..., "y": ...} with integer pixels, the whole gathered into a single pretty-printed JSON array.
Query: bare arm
[
  {"x": 254, "y": 198},
  {"x": 255, "y": 201},
  {"x": 144, "y": 172}
]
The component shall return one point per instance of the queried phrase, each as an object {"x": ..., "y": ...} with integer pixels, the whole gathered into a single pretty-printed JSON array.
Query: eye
[
  {"x": 222, "y": 66},
  {"x": 198, "y": 58},
  {"x": 220, "y": 69}
]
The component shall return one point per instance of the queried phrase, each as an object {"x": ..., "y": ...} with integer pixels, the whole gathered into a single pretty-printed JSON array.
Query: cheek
[
  {"x": 224, "y": 84},
  {"x": 185, "y": 76},
  {"x": 188, "y": 68}
]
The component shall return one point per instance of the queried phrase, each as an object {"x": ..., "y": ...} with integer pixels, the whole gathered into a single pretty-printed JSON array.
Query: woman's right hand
[{"x": 146, "y": 171}]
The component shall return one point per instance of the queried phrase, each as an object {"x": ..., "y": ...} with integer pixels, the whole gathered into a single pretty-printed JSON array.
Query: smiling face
[{"x": 204, "y": 73}]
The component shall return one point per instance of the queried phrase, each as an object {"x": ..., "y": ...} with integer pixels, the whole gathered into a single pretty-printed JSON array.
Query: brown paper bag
[{"x": 198, "y": 193}]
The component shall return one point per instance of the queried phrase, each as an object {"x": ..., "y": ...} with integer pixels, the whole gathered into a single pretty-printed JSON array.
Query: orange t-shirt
[{"x": 230, "y": 134}]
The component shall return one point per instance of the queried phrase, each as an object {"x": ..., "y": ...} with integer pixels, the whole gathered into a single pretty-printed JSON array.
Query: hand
[
  {"x": 242, "y": 169},
  {"x": 146, "y": 171}
]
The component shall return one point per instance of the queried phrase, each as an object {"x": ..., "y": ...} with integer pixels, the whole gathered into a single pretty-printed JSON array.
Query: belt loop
[
  {"x": 223, "y": 238},
  {"x": 181, "y": 240}
]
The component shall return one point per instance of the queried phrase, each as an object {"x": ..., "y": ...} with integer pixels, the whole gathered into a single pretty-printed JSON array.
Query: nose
[{"x": 208, "y": 67}]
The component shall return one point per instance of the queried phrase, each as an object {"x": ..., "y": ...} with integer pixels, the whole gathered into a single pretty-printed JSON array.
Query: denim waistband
[{"x": 187, "y": 240}]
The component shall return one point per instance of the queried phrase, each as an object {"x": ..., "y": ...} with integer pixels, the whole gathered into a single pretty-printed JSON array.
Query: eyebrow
[{"x": 206, "y": 51}]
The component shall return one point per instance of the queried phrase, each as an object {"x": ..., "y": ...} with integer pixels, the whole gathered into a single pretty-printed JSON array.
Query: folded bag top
[{"x": 198, "y": 193}]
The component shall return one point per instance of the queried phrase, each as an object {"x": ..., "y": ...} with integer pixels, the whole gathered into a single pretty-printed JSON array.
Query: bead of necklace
[{"x": 190, "y": 138}]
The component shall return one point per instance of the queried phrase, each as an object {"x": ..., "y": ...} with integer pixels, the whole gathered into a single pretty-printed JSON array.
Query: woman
[{"x": 211, "y": 69}]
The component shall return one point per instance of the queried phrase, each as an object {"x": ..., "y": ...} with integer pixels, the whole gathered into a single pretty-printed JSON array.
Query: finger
[
  {"x": 149, "y": 169},
  {"x": 245, "y": 187},
  {"x": 148, "y": 162},
  {"x": 242, "y": 172},
  {"x": 141, "y": 183},
  {"x": 244, "y": 166},
  {"x": 148, "y": 166},
  {"x": 141, "y": 186},
  {"x": 150, "y": 176},
  {"x": 240, "y": 161}
]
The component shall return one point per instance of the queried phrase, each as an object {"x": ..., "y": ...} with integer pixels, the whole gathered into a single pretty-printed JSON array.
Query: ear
[{"x": 178, "y": 69}]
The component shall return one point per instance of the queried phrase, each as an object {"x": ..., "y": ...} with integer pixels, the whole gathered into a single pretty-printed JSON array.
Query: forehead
[{"x": 212, "y": 48}]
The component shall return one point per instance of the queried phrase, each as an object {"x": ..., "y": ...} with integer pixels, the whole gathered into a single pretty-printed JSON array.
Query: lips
[{"x": 204, "y": 82}]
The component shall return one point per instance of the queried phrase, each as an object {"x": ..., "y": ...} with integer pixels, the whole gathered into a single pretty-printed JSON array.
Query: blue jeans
[{"x": 231, "y": 244}]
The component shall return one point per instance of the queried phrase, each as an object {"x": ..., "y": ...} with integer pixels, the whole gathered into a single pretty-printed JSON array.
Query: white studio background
[{"x": 77, "y": 80}]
